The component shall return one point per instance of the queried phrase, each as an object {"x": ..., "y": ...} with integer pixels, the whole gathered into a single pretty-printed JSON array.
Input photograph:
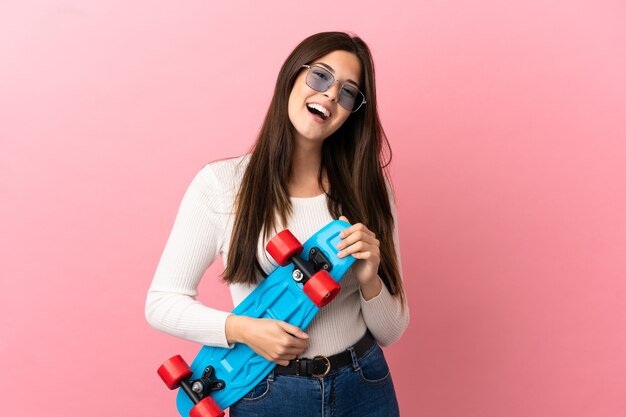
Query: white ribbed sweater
[{"x": 202, "y": 231}]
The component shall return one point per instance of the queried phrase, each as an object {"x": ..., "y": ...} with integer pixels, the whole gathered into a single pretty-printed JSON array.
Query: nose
[{"x": 333, "y": 91}]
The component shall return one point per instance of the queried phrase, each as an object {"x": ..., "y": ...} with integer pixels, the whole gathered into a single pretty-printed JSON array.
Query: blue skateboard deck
[{"x": 278, "y": 297}]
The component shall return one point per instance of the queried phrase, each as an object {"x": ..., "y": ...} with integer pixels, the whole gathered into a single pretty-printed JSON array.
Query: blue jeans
[{"x": 363, "y": 388}]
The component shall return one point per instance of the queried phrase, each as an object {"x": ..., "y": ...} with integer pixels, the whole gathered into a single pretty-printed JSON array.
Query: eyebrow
[{"x": 329, "y": 68}]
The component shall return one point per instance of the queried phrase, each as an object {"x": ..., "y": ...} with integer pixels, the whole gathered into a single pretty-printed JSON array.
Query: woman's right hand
[{"x": 275, "y": 340}]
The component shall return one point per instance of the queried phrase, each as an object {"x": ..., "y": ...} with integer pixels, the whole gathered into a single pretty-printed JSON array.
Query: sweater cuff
[
  {"x": 214, "y": 333},
  {"x": 382, "y": 295},
  {"x": 383, "y": 316}
]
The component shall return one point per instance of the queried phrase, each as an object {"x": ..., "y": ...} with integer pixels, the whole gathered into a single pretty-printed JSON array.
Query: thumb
[
  {"x": 293, "y": 330},
  {"x": 344, "y": 218}
]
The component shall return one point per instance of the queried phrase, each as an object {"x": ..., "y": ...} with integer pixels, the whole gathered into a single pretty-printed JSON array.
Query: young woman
[{"x": 318, "y": 157}]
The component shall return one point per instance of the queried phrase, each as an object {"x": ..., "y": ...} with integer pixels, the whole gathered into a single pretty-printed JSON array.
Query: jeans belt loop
[{"x": 355, "y": 360}]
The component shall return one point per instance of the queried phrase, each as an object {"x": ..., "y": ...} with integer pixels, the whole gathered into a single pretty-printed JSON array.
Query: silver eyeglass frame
[{"x": 308, "y": 67}]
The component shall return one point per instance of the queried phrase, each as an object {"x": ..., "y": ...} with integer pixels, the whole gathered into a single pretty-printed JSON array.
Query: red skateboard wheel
[
  {"x": 321, "y": 288},
  {"x": 207, "y": 407},
  {"x": 174, "y": 370},
  {"x": 283, "y": 246}
]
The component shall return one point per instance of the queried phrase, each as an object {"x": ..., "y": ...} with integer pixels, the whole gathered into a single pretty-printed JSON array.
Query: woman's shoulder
[
  {"x": 222, "y": 177},
  {"x": 230, "y": 164},
  {"x": 226, "y": 169}
]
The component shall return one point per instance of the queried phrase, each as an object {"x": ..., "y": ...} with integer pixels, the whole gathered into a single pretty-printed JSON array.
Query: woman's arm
[
  {"x": 194, "y": 243},
  {"x": 383, "y": 313}
]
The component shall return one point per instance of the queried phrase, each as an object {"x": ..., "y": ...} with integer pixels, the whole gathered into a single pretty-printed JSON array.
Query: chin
[
  {"x": 311, "y": 135},
  {"x": 314, "y": 138}
]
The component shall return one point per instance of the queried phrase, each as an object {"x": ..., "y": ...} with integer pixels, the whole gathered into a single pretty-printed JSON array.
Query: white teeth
[{"x": 319, "y": 108}]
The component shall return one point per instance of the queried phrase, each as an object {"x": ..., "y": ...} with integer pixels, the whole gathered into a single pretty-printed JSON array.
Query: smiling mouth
[{"x": 318, "y": 110}]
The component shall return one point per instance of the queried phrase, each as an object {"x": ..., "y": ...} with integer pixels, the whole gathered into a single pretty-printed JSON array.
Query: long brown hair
[{"x": 353, "y": 156}]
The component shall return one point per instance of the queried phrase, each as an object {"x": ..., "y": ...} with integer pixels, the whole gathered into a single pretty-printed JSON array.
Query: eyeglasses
[{"x": 320, "y": 79}]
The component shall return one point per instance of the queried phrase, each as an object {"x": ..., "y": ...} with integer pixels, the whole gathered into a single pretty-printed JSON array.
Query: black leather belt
[{"x": 320, "y": 366}]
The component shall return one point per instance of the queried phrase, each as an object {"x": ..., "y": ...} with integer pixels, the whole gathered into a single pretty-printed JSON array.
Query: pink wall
[{"x": 508, "y": 124}]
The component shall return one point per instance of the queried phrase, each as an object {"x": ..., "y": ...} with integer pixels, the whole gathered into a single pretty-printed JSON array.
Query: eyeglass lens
[{"x": 319, "y": 79}]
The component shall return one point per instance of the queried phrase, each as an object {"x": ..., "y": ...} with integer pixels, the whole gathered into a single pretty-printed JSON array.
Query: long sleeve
[
  {"x": 384, "y": 314},
  {"x": 194, "y": 243},
  {"x": 202, "y": 231}
]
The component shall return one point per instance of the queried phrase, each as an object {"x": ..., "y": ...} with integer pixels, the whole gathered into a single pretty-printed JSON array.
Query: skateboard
[{"x": 306, "y": 280}]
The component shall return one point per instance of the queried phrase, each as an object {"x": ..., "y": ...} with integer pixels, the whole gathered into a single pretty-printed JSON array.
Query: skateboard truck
[
  {"x": 199, "y": 388},
  {"x": 304, "y": 270},
  {"x": 176, "y": 373},
  {"x": 317, "y": 283}
]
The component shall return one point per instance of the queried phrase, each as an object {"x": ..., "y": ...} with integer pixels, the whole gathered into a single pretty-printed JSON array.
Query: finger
[
  {"x": 291, "y": 353},
  {"x": 360, "y": 251},
  {"x": 359, "y": 246},
  {"x": 354, "y": 249},
  {"x": 286, "y": 352},
  {"x": 363, "y": 255},
  {"x": 279, "y": 355},
  {"x": 293, "y": 330},
  {"x": 356, "y": 228},
  {"x": 344, "y": 218},
  {"x": 356, "y": 237},
  {"x": 295, "y": 343}
]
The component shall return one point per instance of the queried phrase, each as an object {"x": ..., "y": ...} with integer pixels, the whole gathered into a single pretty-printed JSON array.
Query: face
[{"x": 309, "y": 125}]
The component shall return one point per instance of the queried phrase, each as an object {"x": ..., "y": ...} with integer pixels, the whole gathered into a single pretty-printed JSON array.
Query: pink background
[{"x": 507, "y": 120}]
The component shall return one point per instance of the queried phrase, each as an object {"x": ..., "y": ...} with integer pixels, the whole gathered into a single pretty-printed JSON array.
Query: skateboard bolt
[
  {"x": 297, "y": 275},
  {"x": 197, "y": 387}
]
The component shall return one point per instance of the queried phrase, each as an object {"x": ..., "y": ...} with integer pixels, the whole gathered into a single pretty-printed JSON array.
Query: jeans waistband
[{"x": 320, "y": 366}]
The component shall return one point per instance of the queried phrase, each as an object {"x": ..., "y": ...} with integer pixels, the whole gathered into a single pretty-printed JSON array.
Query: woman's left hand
[{"x": 361, "y": 243}]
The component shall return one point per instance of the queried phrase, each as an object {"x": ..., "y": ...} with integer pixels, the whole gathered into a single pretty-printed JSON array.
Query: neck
[{"x": 305, "y": 166}]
